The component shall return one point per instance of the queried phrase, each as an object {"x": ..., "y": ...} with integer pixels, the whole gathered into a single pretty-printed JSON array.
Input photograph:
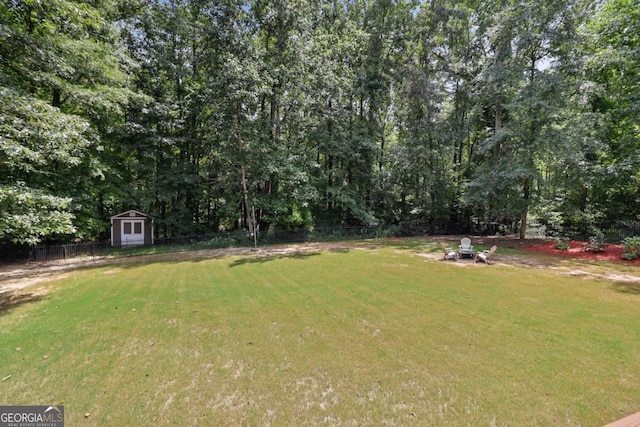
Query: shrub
[
  {"x": 296, "y": 218},
  {"x": 563, "y": 245},
  {"x": 631, "y": 248},
  {"x": 224, "y": 240},
  {"x": 596, "y": 242}
]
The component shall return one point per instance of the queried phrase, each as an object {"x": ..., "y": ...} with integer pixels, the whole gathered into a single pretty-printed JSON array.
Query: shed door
[{"x": 132, "y": 232}]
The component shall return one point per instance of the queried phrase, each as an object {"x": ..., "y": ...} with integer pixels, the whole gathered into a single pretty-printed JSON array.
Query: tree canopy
[{"x": 232, "y": 114}]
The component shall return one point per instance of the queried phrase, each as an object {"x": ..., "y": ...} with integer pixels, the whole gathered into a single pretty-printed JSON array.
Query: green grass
[{"x": 356, "y": 337}]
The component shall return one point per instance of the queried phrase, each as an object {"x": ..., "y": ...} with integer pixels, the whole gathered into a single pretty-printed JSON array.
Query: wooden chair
[
  {"x": 485, "y": 255},
  {"x": 448, "y": 252}
]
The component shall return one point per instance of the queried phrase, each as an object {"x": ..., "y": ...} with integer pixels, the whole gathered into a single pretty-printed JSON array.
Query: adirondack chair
[
  {"x": 448, "y": 252},
  {"x": 465, "y": 248},
  {"x": 485, "y": 255}
]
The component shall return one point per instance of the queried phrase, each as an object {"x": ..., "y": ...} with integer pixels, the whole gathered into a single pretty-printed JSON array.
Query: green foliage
[
  {"x": 296, "y": 218},
  {"x": 63, "y": 78},
  {"x": 596, "y": 236},
  {"x": 238, "y": 238},
  {"x": 28, "y": 215},
  {"x": 563, "y": 245},
  {"x": 44, "y": 154},
  {"x": 361, "y": 112},
  {"x": 631, "y": 248},
  {"x": 596, "y": 241},
  {"x": 529, "y": 105},
  {"x": 613, "y": 50},
  {"x": 36, "y": 136}
]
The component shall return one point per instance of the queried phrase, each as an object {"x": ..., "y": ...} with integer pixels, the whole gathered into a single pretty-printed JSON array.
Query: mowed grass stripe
[{"x": 359, "y": 336}]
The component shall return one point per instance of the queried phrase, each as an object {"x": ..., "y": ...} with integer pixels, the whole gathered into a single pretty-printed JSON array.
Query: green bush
[
  {"x": 227, "y": 240},
  {"x": 563, "y": 245},
  {"x": 296, "y": 218},
  {"x": 631, "y": 248}
]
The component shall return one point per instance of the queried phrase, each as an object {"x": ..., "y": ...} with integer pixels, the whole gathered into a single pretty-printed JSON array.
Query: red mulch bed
[{"x": 611, "y": 253}]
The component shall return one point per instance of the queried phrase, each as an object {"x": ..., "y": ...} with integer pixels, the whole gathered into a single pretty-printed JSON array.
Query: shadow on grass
[
  {"x": 627, "y": 287},
  {"x": 259, "y": 259},
  {"x": 11, "y": 300},
  {"x": 245, "y": 256}
]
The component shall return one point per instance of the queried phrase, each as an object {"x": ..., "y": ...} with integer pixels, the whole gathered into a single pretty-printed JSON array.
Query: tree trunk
[
  {"x": 498, "y": 126},
  {"x": 249, "y": 220},
  {"x": 525, "y": 208},
  {"x": 56, "y": 98}
]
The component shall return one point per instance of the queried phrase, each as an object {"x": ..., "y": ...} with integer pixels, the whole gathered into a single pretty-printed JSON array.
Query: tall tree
[
  {"x": 431, "y": 112},
  {"x": 62, "y": 73},
  {"x": 613, "y": 55},
  {"x": 509, "y": 175}
]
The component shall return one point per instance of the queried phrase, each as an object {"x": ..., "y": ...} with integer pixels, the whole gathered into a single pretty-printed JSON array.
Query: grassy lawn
[{"x": 377, "y": 336}]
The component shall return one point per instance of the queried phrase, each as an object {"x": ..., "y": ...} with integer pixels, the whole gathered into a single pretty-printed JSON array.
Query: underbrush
[{"x": 631, "y": 248}]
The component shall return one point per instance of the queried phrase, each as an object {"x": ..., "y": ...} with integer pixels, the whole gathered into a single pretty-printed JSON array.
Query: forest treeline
[{"x": 215, "y": 115}]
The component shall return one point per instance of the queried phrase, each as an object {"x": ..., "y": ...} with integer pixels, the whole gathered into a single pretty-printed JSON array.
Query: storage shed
[{"x": 131, "y": 228}]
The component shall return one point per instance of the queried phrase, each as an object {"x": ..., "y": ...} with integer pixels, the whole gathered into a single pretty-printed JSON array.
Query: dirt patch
[
  {"x": 17, "y": 276},
  {"x": 12, "y": 299}
]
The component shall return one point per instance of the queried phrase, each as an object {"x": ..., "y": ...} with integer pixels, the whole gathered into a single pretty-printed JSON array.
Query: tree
[
  {"x": 528, "y": 117},
  {"x": 432, "y": 108},
  {"x": 613, "y": 65},
  {"x": 325, "y": 112},
  {"x": 61, "y": 74}
]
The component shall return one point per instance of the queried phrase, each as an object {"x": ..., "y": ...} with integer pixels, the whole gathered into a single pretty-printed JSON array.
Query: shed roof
[{"x": 132, "y": 213}]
